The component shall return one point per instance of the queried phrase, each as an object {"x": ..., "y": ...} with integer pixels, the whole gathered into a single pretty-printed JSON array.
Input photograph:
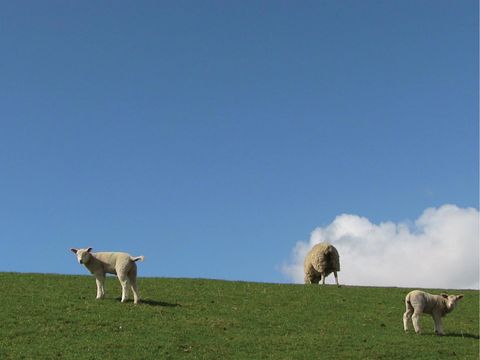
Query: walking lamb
[
  {"x": 418, "y": 302},
  {"x": 321, "y": 260},
  {"x": 119, "y": 263}
]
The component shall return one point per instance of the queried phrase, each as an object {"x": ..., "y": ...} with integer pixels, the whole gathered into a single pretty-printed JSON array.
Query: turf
[{"x": 57, "y": 317}]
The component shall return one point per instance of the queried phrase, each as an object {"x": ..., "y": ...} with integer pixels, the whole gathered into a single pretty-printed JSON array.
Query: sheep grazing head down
[
  {"x": 321, "y": 260},
  {"x": 83, "y": 255}
]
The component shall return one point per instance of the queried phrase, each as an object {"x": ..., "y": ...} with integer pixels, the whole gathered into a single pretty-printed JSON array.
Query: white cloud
[{"x": 439, "y": 250}]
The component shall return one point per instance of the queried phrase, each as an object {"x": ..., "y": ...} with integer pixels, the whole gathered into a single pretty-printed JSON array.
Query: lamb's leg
[
  {"x": 122, "y": 277},
  {"x": 407, "y": 316},
  {"x": 100, "y": 280},
  {"x": 132, "y": 276},
  {"x": 438, "y": 324},
  {"x": 322, "y": 277},
  {"x": 416, "y": 321},
  {"x": 336, "y": 278}
]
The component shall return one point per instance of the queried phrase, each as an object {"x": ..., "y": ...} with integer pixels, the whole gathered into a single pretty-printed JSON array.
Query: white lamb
[
  {"x": 418, "y": 302},
  {"x": 119, "y": 263}
]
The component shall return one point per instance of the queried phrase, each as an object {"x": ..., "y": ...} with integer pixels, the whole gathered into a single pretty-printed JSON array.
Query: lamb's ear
[
  {"x": 460, "y": 297},
  {"x": 444, "y": 295},
  {"x": 89, "y": 249},
  {"x": 73, "y": 250}
]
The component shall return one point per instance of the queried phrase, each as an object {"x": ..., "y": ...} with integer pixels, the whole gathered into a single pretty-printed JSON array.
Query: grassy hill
[{"x": 57, "y": 317}]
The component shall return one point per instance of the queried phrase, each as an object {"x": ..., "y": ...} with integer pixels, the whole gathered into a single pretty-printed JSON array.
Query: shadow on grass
[
  {"x": 151, "y": 302},
  {"x": 158, "y": 303},
  {"x": 463, "y": 335}
]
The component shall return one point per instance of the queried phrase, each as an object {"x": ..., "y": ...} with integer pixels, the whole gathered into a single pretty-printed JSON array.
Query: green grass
[{"x": 57, "y": 317}]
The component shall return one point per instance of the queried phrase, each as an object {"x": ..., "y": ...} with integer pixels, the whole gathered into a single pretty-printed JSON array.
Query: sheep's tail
[
  {"x": 408, "y": 303},
  {"x": 136, "y": 258}
]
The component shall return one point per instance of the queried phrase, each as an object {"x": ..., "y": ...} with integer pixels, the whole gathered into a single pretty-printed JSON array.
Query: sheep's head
[
  {"x": 451, "y": 300},
  {"x": 83, "y": 255}
]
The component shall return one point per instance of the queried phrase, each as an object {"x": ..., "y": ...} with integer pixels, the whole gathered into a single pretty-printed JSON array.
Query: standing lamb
[
  {"x": 321, "y": 260},
  {"x": 119, "y": 263},
  {"x": 418, "y": 302}
]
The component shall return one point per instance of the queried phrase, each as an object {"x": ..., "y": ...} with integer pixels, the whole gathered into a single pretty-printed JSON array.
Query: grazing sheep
[
  {"x": 321, "y": 260},
  {"x": 418, "y": 302},
  {"x": 119, "y": 263}
]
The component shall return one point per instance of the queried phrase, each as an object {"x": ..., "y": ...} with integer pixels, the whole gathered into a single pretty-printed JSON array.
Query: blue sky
[{"x": 212, "y": 136}]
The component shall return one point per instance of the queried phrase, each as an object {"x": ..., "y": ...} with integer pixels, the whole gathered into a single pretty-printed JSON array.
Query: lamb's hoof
[{"x": 439, "y": 333}]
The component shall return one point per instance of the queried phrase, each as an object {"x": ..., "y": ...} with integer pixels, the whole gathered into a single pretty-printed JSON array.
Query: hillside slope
[{"x": 57, "y": 317}]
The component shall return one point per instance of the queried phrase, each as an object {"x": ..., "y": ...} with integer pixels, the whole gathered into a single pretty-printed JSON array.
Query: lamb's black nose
[{"x": 81, "y": 262}]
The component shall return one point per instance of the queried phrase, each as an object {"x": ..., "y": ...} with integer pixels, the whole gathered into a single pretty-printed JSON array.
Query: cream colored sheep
[
  {"x": 321, "y": 260},
  {"x": 418, "y": 302},
  {"x": 119, "y": 263}
]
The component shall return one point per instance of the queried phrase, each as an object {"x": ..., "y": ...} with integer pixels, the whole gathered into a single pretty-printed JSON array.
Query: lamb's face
[
  {"x": 83, "y": 255},
  {"x": 452, "y": 300}
]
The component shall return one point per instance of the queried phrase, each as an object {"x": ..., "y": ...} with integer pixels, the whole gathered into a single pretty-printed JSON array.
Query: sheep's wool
[{"x": 323, "y": 258}]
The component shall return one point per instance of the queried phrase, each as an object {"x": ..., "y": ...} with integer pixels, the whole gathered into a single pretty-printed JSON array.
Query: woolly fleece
[{"x": 321, "y": 260}]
